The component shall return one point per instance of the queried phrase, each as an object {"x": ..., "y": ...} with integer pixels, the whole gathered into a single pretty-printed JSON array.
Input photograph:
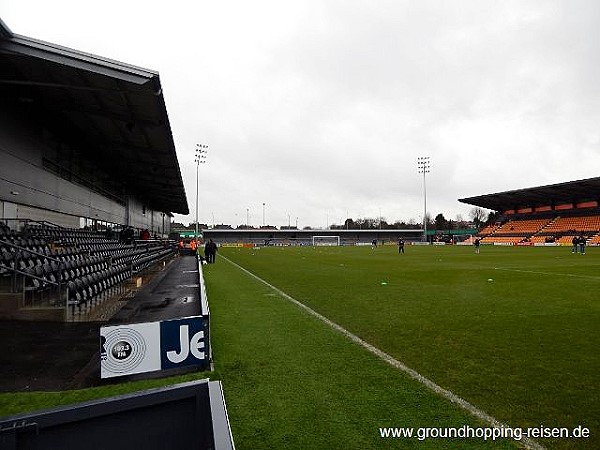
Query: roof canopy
[
  {"x": 113, "y": 111},
  {"x": 572, "y": 192}
]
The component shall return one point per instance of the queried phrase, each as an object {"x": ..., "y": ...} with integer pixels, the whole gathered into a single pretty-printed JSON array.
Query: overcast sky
[{"x": 319, "y": 109}]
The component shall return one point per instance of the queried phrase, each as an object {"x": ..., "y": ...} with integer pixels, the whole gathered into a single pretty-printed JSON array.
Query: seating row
[
  {"x": 37, "y": 245},
  {"x": 528, "y": 226},
  {"x": 555, "y": 227},
  {"x": 144, "y": 261},
  {"x": 85, "y": 290},
  {"x": 574, "y": 224},
  {"x": 82, "y": 274},
  {"x": 56, "y": 233}
]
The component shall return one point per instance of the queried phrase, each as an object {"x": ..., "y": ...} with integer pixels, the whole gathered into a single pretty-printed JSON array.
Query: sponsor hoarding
[{"x": 148, "y": 347}]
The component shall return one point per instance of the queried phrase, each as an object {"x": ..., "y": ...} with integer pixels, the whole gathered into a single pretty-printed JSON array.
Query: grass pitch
[{"x": 514, "y": 331}]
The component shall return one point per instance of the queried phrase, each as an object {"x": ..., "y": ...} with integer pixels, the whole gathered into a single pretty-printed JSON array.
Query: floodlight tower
[
  {"x": 423, "y": 165},
  {"x": 263, "y": 214},
  {"x": 200, "y": 158}
]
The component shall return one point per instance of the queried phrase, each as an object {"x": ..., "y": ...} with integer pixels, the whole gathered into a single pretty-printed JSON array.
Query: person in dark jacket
[
  {"x": 400, "y": 245},
  {"x": 213, "y": 251},
  {"x": 582, "y": 243},
  {"x": 127, "y": 235},
  {"x": 210, "y": 251}
]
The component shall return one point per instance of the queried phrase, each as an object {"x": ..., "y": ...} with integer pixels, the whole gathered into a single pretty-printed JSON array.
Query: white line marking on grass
[
  {"x": 478, "y": 413},
  {"x": 538, "y": 272}
]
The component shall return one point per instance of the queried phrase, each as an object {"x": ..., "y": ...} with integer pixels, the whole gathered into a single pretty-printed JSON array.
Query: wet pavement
[
  {"x": 174, "y": 293},
  {"x": 51, "y": 356}
]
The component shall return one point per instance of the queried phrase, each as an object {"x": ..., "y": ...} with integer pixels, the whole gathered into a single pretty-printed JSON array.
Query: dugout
[{"x": 84, "y": 140}]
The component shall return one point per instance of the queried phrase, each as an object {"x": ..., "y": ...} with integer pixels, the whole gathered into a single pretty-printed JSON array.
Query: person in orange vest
[{"x": 193, "y": 246}]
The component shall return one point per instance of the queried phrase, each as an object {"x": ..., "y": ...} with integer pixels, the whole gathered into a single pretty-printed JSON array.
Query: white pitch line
[
  {"x": 538, "y": 272},
  {"x": 478, "y": 413}
]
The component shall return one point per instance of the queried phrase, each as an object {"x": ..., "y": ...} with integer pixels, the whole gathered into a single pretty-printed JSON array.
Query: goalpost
[{"x": 325, "y": 241}]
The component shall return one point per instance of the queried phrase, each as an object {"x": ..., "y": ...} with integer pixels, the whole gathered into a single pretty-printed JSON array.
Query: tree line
[{"x": 478, "y": 218}]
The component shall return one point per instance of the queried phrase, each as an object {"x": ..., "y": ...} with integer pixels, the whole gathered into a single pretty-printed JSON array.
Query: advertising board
[{"x": 151, "y": 346}]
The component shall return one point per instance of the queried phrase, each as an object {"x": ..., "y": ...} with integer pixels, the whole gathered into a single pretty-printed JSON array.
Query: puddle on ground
[{"x": 169, "y": 301}]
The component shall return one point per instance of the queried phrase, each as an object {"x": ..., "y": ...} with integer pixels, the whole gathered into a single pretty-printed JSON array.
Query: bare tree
[{"x": 478, "y": 216}]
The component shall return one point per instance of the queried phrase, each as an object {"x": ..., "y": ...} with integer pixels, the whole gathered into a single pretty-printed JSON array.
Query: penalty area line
[{"x": 449, "y": 395}]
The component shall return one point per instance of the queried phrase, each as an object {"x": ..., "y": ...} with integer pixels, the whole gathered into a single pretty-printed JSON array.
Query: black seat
[{"x": 74, "y": 294}]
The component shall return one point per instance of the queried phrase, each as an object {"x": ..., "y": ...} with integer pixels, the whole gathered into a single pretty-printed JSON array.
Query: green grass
[
  {"x": 292, "y": 382},
  {"x": 21, "y": 402},
  {"x": 523, "y": 347}
]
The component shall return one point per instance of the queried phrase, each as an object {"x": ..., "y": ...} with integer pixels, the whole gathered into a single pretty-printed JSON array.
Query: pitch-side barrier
[{"x": 184, "y": 417}]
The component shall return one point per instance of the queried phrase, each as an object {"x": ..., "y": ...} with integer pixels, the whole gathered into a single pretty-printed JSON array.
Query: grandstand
[
  {"x": 545, "y": 215},
  {"x": 305, "y": 237},
  {"x": 69, "y": 267},
  {"x": 86, "y": 153},
  {"x": 89, "y": 180}
]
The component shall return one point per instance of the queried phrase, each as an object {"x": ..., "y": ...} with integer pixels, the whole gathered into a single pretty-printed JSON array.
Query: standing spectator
[
  {"x": 400, "y": 245},
  {"x": 210, "y": 251},
  {"x": 145, "y": 234},
  {"x": 575, "y": 242},
  {"x": 213, "y": 251},
  {"x": 207, "y": 249},
  {"x": 477, "y": 244},
  {"x": 127, "y": 235},
  {"x": 582, "y": 243}
]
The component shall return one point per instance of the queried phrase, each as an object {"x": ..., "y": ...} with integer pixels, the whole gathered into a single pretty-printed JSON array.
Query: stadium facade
[{"x": 84, "y": 140}]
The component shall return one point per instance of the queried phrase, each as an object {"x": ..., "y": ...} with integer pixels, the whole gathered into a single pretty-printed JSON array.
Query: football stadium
[{"x": 115, "y": 334}]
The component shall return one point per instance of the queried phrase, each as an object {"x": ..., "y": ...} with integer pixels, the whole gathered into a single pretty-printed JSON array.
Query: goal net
[{"x": 325, "y": 240}]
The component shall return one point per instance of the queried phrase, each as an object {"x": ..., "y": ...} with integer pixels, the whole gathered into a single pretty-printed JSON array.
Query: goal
[{"x": 325, "y": 240}]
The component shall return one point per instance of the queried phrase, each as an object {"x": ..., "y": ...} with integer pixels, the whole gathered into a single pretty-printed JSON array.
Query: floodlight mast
[
  {"x": 423, "y": 165},
  {"x": 200, "y": 158}
]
